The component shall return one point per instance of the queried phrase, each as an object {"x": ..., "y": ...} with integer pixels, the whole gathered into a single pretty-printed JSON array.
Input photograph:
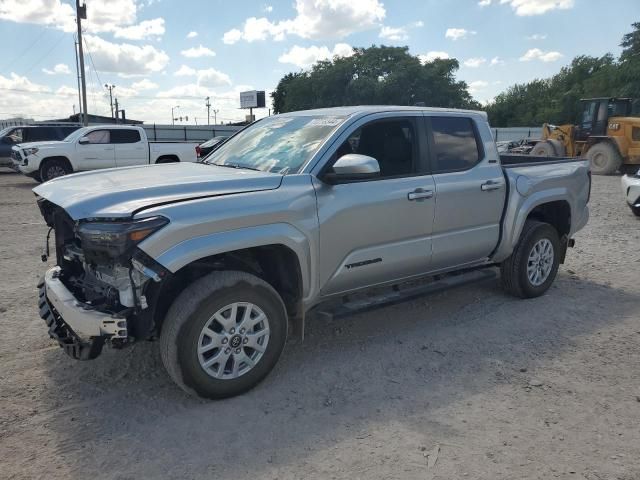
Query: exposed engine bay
[{"x": 101, "y": 266}]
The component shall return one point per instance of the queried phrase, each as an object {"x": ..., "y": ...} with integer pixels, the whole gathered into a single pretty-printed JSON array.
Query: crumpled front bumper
[{"x": 80, "y": 330}]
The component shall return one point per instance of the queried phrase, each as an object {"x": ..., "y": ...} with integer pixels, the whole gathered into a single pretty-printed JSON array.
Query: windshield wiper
[{"x": 235, "y": 165}]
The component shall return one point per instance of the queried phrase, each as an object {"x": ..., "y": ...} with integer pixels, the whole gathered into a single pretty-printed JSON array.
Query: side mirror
[
  {"x": 84, "y": 141},
  {"x": 352, "y": 167}
]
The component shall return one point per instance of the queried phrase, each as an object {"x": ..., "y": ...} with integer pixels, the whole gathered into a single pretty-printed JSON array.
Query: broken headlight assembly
[{"x": 114, "y": 239}]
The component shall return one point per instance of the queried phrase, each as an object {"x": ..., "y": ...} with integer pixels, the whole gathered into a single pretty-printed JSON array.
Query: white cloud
[
  {"x": 474, "y": 62},
  {"x": 115, "y": 16},
  {"x": 315, "y": 19},
  {"x": 125, "y": 58},
  {"x": 532, "y": 7},
  {"x": 496, "y": 61},
  {"x": 144, "y": 84},
  {"x": 458, "y": 33},
  {"x": 477, "y": 85},
  {"x": 433, "y": 55},
  {"x": 185, "y": 71},
  {"x": 305, "y": 57},
  {"x": 398, "y": 34},
  {"x": 21, "y": 83},
  {"x": 268, "y": 8},
  {"x": 59, "y": 69},
  {"x": 232, "y": 36},
  {"x": 192, "y": 34},
  {"x": 537, "y": 54},
  {"x": 212, "y": 78},
  {"x": 197, "y": 52},
  {"x": 145, "y": 29},
  {"x": 537, "y": 36}
]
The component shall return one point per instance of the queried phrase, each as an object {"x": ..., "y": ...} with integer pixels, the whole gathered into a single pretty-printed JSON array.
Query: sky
[{"x": 161, "y": 54}]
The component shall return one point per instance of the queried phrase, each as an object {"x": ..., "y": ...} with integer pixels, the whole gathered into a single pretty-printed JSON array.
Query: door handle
[
  {"x": 490, "y": 185},
  {"x": 419, "y": 194}
]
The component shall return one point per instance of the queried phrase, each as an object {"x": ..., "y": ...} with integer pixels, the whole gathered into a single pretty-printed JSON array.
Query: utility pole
[
  {"x": 208, "y": 104},
  {"x": 117, "y": 110},
  {"x": 110, "y": 88},
  {"x": 81, "y": 12},
  {"x": 75, "y": 49},
  {"x": 215, "y": 117},
  {"x": 173, "y": 119}
]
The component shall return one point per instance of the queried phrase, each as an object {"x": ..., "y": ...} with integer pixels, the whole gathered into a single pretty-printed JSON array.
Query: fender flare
[{"x": 193, "y": 249}]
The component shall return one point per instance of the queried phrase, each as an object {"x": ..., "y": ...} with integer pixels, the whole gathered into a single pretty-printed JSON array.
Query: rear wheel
[
  {"x": 53, "y": 169},
  {"x": 636, "y": 211},
  {"x": 223, "y": 334},
  {"x": 533, "y": 265},
  {"x": 604, "y": 159}
]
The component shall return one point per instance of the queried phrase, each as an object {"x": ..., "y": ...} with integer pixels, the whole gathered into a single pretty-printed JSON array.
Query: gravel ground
[{"x": 470, "y": 383}]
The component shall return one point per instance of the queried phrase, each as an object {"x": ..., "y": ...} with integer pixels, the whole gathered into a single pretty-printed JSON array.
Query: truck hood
[
  {"x": 121, "y": 192},
  {"x": 51, "y": 143}
]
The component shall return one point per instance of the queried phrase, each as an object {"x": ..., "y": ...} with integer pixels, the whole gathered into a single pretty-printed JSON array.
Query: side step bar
[{"x": 402, "y": 293}]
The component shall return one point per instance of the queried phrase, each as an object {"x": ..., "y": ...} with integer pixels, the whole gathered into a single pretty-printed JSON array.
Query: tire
[
  {"x": 604, "y": 159},
  {"x": 52, "y": 169},
  {"x": 183, "y": 333},
  {"x": 167, "y": 159},
  {"x": 636, "y": 211},
  {"x": 543, "y": 149},
  {"x": 515, "y": 269}
]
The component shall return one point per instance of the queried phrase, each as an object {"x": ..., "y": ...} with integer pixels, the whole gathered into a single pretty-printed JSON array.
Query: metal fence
[
  {"x": 188, "y": 133},
  {"x": 516, "y": 133}
]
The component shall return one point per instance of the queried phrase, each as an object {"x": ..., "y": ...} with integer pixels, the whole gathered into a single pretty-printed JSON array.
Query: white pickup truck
[{"x": 98, "y": 147}]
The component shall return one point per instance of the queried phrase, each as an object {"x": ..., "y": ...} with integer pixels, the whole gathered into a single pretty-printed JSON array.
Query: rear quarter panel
[{"x": 534, "y": 185}]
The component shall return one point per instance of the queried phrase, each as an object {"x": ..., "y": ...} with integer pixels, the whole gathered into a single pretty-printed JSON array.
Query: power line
[
  {"x": 55, "y": 44},
  {"x": 24, "y": 52}
]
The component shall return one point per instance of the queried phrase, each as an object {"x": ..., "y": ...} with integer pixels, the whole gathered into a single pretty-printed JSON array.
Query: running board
[{"x": 400, "y": 293}]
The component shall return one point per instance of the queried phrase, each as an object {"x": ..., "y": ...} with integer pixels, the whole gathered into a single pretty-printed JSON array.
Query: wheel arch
[
  {"x": 170, "y": 158},
  {"x": 276, "y": 263},
  {"x": 60, "y": 158}
]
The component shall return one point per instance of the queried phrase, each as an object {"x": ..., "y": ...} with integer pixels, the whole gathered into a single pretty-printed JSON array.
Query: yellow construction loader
[{"x": 607, "y": 135}]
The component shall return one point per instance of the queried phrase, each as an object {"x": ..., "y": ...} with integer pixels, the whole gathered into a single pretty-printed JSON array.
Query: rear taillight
[{"x": 198, "y": 150}]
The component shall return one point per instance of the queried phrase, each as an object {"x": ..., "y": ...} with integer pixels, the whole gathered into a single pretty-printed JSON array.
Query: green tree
[
  {"x": 378, "y": 75},
  {"x": 556, "y": 99}
]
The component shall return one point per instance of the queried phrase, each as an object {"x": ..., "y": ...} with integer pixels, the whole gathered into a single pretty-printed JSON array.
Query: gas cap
[{"x": 523, "y": 185}]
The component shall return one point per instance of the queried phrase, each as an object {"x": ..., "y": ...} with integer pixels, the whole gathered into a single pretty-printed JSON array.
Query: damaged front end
[{"x": 96, "y": 293}]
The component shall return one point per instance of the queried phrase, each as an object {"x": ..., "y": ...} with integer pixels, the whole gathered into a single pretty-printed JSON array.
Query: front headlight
[
  {"x": 30, "y": 151},
  {"x": 114, "y": 239}
]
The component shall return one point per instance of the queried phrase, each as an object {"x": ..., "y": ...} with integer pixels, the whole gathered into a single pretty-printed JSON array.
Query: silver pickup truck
[{"x": 219, "y": 260}]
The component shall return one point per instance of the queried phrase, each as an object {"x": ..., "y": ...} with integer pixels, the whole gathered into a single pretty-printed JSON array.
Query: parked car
[
  {"x": 207, "y": 147},
  {"x": 631, "y": 190},
  {"x": 219, "y": 259},
  {"x": 12, "y": 136},
  {"x": 93, "y": 148}
]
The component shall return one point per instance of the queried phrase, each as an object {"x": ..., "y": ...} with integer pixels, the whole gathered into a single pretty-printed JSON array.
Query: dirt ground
[{"x": 470, "y": 383}]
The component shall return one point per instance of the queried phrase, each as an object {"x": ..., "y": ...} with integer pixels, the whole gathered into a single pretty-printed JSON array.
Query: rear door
[
  {"x": 378, "y": 230},
  {"x": 470, "y": 190},
  {"x": 130, "y": 148},
  {"x": 98, "y": 153}
]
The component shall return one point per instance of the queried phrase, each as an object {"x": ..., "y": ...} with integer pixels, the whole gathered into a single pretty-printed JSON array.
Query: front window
[
  {"x": 75, "y": 135},
  {"x": 278, "y": 144}
]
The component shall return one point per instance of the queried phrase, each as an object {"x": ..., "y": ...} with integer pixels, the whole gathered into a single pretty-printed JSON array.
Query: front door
[
  {"x": 470, "y": 191},
  {"x": 98, "y": 153},
  {"x": 377, "y": 231}
]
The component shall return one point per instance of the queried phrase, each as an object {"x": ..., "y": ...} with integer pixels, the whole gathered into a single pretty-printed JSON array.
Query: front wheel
[
  {"x": 533, "y": 265},
  {"x": 223, "y": 334},
  {"x": 53, "y": 169}
]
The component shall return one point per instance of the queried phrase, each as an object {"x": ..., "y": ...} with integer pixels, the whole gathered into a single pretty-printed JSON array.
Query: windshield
[
  {"x": 72, "y": 137},
  {"x": 276, "y": 144}
]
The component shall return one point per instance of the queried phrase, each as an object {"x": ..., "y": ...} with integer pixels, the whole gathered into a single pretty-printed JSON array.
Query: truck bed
[{"x": 520, "y": 160}]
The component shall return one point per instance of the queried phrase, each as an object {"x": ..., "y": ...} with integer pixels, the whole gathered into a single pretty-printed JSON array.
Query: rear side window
[
  {"x": 125, "y": 136},
  {"x": 39, "y": 134},
  {"x": 455, "y": 146}
]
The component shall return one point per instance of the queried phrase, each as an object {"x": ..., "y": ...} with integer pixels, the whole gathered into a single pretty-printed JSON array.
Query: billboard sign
[{"x": 252, "y": 99}]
